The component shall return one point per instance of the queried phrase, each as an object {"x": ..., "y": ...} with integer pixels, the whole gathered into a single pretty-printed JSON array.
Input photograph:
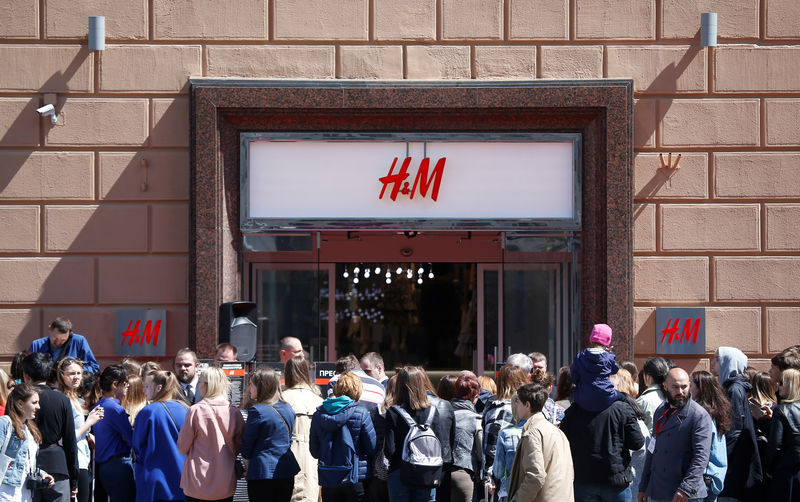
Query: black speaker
[{"x": 237, "y": 326}]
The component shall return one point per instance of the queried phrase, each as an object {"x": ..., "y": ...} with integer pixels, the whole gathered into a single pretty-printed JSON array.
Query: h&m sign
[{"x": 680, "y": 330}]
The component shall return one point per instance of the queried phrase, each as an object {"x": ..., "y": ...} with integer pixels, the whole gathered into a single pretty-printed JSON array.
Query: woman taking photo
[
  {"x": 20, "y": 442},
  {"x": 113, "y": 438},
  {"x": 304, "y": 400},
  {"x": 155, "y": 439},
  {"x": 70, "y": 378},
  {"x": 783, "y": 450},
  {"x": 267, "y": 440},
  {"x": 211, "y": 437}
]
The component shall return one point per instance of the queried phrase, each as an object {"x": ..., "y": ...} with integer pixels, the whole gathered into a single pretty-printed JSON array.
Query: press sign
[
  {"x": 323, "y": 372},
  {"x": 680, "y": 330}
]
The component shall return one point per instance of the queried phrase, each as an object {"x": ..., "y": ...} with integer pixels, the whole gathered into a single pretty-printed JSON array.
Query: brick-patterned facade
[{"x": 82, "y": 234}]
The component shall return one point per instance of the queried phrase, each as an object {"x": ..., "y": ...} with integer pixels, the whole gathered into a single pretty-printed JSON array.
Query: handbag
[
  {"x": 238, "y": 465},
  {"x": 5, "y": 460}
]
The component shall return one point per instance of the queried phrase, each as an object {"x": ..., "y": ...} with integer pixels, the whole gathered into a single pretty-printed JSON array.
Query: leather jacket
[{"x": 783, "y": 450}]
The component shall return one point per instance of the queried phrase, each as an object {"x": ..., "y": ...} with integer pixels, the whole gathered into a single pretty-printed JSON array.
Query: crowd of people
[{"x": 599, "y": 430}]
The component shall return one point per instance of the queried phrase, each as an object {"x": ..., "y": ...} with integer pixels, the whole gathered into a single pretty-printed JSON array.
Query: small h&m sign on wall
[
  {"x": 141, "y": 332},
  {"x": 680, "y": 330}
]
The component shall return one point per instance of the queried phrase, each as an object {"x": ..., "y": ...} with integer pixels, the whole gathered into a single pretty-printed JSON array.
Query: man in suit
[
  {"x": 58, "y": 453},
  {"x": 678, "y": 454},
  {"x": 185, "y": 366}
]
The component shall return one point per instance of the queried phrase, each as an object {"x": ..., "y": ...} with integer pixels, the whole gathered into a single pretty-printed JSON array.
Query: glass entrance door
[{"x": 450, "y": 301}]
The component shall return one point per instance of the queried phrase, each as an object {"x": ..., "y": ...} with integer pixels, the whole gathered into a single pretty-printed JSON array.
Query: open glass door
[{"x": 292, "y": 300}]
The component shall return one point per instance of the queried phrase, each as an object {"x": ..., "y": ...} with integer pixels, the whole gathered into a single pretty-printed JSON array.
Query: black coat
[
  {"x": 55, "y": 422},
  {"x": 600, "y": 443},
  {"x": 744, "y": 464},
  {"x": 783, "y": 451}
]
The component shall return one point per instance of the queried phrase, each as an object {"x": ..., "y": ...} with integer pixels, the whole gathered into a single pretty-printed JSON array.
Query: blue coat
[
  {"x": 590, "y": 371},
  {"x": 359, "y": 422},
  {"x": 266, "y": 441},
  {"x": 76, "y": 346},
  {"x": 681, "y": 453},
  {"x": 159, "y": 464}
]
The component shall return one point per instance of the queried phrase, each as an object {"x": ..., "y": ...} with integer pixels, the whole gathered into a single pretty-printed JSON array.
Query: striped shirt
[{"x": 373, "y": 391}]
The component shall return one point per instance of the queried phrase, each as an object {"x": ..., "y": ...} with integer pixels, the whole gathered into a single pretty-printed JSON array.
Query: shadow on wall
[
  {"x": 666, "y": 81},
  {"x": 123, "y": 243}
]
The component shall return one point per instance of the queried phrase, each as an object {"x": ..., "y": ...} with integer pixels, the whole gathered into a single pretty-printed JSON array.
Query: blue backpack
[{"x": 337, "y": 465}]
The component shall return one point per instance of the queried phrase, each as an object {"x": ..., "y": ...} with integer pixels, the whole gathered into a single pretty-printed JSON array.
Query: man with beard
[
  {"x": 678, "y": 454},
  {"x": 185, "y": 366}
]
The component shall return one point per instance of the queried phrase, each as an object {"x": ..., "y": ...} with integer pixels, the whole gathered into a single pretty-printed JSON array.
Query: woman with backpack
[
  {"x": 409, "y": 479},
  {"x": 343, "y": 439},
  {"x": 159, "y": 464},
  {"x": 267, "y": 440}
]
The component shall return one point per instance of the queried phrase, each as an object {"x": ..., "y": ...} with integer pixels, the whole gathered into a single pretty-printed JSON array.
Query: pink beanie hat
[{"x": 601, "y": 333}]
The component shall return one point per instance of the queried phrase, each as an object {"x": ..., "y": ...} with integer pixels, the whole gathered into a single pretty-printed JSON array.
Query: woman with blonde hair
[
  {"x": 70, "y": 378},
  {"x": 304, "y": 399},
  {"x": 159, "y": 463},
  {"x": 783, "y": 450},
  {"x": 20, "y": 441},
  {"x": 135, "y": 399},
  {"x": 211, "y": 438},
  {"x": 267, "y": 440}
]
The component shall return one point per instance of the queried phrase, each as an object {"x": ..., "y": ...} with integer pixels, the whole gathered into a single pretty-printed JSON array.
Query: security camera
[{"x": 48, "y": 110}]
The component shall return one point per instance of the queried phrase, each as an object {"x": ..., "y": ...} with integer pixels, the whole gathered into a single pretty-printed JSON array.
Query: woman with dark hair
[
  {"x": 159, "y": 463},
  {"x": 304, "y": 399},
  {"x": 654, "y": 372},
  {"x": 267, "y": 440},
  {"x": 708, "y": 393},
  {"x": 468, "y": 444},
  {"x": 23, "y": 443},
  {"x": 783, "y": 451},
  {"x": 411, "y": 400},
  {"x": 114, "y": 437},
  {"x": 447, "y": 387},
  {"x": 564, "y": 386}
]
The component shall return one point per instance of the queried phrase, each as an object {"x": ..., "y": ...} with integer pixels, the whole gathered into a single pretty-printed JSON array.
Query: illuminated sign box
[{"x": 432, "y": 178}]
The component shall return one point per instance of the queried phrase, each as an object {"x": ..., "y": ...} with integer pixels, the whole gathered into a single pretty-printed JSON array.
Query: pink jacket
[{"x": 208, "y": 471}]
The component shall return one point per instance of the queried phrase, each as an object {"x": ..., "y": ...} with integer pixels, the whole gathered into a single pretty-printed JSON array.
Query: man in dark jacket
[
  {"x": 600, "y": 443},
  {"x": 678, "y": 454},
  {"x": 744, "y": 475},
  {"x": 58, "y": 453}
]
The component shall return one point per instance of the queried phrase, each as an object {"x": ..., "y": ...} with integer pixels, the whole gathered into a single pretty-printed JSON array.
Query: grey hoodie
[{"x": 732, "y": 362}]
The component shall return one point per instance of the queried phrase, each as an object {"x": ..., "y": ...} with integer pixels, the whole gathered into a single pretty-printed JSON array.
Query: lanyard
[{"x": 658, "y": 427}]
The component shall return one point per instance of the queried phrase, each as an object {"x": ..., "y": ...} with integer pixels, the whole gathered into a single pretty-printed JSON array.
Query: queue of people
[{"x": 612, "y": 432}]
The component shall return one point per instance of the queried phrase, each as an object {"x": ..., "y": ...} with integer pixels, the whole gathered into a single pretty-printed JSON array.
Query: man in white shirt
[{"x": 185, "y": 366}]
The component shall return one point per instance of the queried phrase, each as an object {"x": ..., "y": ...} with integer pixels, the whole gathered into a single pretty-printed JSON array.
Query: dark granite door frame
[{"x": 601, "y": 110}]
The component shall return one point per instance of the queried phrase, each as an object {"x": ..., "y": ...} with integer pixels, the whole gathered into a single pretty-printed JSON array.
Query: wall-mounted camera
[{"x": 48, "y": 110}]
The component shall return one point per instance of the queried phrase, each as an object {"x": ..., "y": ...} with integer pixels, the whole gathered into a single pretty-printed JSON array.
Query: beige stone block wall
[{"x": 101, "y": 198}]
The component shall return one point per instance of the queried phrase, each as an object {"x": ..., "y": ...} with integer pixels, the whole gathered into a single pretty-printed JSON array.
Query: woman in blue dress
[
  {"x": 267, "y": 439},
  {"x": 159, "y": 464},
  {"x": 113, "y": 438}
]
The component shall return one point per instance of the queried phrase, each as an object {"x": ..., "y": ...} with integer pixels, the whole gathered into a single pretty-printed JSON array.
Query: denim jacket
[{"x": 18, "y": 452}]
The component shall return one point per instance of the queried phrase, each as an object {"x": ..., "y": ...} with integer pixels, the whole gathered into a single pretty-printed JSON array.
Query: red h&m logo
[
  {"x": 689, "y": 333},
  {"x": 149, "y": 335},
  {"x": 422, "y": 180}
]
